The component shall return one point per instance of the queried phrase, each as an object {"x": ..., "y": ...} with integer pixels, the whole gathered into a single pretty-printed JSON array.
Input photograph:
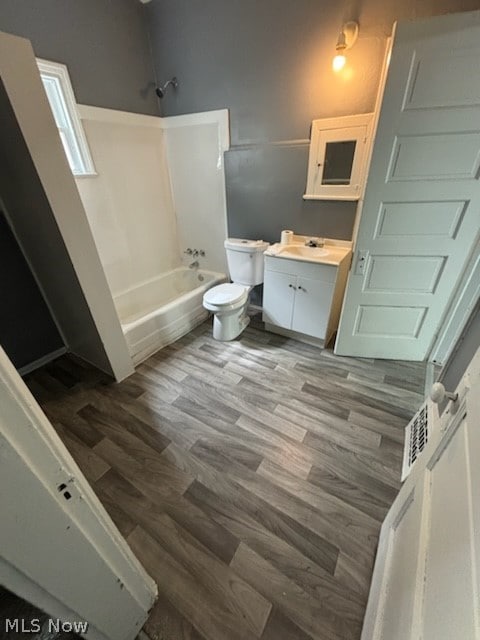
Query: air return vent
[{"x": 416, "y": 438}]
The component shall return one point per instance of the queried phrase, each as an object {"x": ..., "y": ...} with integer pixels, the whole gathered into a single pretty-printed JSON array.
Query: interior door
[
  {"x": 59, "y": 549},
  {"x": 421, "y": 213},
  {"x": 427, "y": 572}
]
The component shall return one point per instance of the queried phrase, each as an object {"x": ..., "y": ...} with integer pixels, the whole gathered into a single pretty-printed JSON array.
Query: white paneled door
[
  {"x": 426, "y": 578},
  {"x": 421, "y": 214}
]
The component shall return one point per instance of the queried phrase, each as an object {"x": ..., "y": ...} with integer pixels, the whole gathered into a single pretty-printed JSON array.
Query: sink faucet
[{"x": 315, "y": 242}]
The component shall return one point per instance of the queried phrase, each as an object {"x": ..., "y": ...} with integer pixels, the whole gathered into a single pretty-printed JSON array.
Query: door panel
[
  {"x": 435, "y": 218},
  {"x": 410, "y": 274},
  {"x": 427, "y": 88},
  {"x": 421, "y": 214},
  {"x": 400, "y": 322},
  {"x": 435, "y": 156},
  {"x": 401, "y": 577},
  {"x": 449, "y": 597}
]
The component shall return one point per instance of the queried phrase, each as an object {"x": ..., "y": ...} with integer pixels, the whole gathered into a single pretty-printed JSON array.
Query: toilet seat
[{"x": 226, "y": 294}]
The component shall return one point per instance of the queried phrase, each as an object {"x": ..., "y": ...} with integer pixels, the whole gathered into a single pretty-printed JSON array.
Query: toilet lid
[{"x": 225, "y": 294}]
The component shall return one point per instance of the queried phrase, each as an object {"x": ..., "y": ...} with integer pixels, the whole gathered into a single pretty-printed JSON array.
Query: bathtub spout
[{"x": 194, "y": 265}]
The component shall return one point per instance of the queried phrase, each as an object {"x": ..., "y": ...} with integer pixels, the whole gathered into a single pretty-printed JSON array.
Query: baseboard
[
  {"x": 301, "y": 337},
  {"x": 255, "y": 307},
  {"x": 36, "y": 364}
]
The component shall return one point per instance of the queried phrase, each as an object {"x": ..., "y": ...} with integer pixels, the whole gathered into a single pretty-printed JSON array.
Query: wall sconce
[{"x": 346, "y": 39}]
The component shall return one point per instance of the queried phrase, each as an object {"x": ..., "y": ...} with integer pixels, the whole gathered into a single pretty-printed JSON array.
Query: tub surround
[
  {"x": 195, "y": 145},
  {"x": 160, "y": 189},
  {"x": 129, "y": 204}
]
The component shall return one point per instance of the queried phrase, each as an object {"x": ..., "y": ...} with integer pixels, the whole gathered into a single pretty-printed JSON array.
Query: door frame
[
  {"x": 462, "y": 303},
  {"x": 26, "y": 434}
]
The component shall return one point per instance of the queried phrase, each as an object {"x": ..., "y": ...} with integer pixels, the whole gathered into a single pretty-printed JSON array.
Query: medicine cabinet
[{"x": 338, "y": 157}]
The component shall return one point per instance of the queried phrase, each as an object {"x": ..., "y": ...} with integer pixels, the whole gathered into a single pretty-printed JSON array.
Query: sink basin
[{"x": 305, "y": 252}]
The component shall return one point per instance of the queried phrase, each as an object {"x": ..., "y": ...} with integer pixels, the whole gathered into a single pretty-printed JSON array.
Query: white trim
[
  {"x": 465, "y": 298},
  {"x": 42, "y": 361},
  {"x": 374, "y": 126},
  {"x": 100, "y": 114},
  {"x": 342, "y": 198},
  {"x": 220, "y": 117},
  {"x": 60, "y": 72},
  {"x": 289, "y": 333}
]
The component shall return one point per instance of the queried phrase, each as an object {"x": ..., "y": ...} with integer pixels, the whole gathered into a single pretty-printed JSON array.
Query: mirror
[{"x": 338, "y": 162}]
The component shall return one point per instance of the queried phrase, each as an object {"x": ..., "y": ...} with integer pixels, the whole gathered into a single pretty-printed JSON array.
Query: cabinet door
[
  {"x": 278, "y": 298},
  {"x": 312, "y": 307}
]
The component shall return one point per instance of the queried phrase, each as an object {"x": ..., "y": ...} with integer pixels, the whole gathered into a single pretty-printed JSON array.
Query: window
[{"x": 58, "y": 88}]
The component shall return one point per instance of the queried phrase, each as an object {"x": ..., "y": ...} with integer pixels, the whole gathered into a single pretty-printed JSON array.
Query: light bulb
[{"x": 338, "y": 62}]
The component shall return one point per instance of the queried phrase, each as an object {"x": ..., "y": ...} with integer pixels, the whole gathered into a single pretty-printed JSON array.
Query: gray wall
[
  {"x": 104, "y": 44},
  {"x": 27, "y": 329},
  {"x": 32, "y": 220},
  {"x": 269, "y": 62},
  {"x": 464, "y": 351}
]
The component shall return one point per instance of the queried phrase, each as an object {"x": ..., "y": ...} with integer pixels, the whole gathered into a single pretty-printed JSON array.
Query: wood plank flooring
[{"x": 250, "y": 477}]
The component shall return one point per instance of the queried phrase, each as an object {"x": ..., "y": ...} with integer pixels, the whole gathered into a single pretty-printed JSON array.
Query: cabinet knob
[
  {"x": 291, "y": 285},
  {"x": 302, "y": 289}
]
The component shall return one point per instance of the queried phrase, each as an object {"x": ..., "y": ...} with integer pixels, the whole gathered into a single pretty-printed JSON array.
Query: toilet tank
[{"x": 245, "y": 260}]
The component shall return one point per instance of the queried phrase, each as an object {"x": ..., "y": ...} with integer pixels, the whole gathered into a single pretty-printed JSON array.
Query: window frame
[{"x": 59, "y": 73}]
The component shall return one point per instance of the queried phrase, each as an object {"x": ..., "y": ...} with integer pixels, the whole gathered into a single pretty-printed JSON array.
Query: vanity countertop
[{"x": 333, "y": 252}]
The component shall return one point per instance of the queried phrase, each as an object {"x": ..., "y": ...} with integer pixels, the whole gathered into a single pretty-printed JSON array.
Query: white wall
[
  {"x": 195, "y": 147},
  {"x": 129, "y": 203}
]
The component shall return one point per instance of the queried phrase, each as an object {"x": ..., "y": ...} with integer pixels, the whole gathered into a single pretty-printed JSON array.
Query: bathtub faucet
[{"x": 194, "y": 265}]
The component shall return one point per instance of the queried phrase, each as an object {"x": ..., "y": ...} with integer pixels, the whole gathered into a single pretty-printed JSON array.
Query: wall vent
[{"x": 416, "y": 438}]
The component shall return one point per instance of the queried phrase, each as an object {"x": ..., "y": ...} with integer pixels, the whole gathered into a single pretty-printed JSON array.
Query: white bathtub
[{"x": 160, "y": 311}]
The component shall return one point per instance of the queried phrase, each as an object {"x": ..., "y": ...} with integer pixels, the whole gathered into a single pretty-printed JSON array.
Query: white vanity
[{"x": 304, "y": 288}]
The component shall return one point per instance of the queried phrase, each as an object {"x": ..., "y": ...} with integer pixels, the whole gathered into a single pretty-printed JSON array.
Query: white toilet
[{"x": 228, "y": 302}]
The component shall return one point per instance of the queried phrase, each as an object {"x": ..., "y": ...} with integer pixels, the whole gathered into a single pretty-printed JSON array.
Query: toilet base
[{"x": 228, "y": 327}]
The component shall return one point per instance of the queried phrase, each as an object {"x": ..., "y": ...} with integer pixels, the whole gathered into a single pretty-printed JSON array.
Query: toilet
[{"x": 229, "y": 302}]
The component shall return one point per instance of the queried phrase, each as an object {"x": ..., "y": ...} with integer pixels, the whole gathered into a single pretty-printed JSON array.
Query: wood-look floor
[{"x": 250, "y": 477}]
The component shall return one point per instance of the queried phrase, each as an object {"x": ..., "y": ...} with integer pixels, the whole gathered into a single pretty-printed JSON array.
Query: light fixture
[{"x": 346, "y": 39}]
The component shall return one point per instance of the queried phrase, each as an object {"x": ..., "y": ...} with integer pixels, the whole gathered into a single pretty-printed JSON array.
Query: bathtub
[{"x": 161, "y": 310}]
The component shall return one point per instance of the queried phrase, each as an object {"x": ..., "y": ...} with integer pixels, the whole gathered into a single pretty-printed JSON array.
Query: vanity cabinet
[{"x": 302, "y": 297}]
